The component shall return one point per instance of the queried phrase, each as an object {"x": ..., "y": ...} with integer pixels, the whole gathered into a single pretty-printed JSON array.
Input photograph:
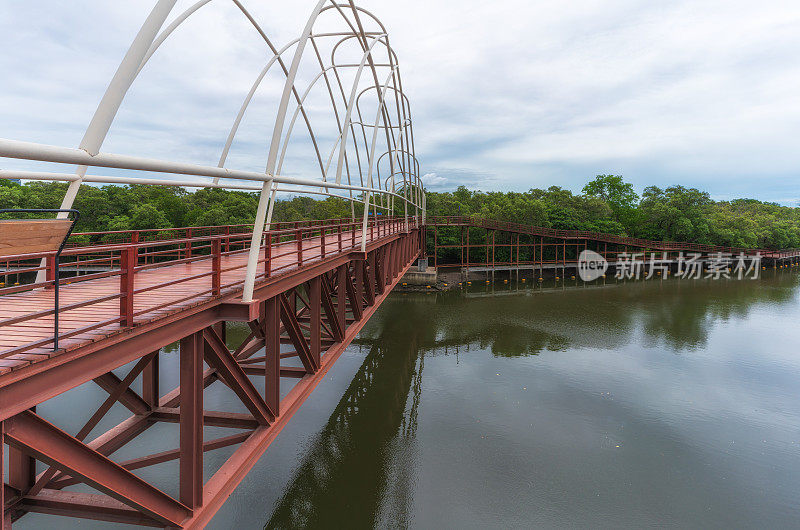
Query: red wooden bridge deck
[{"x": 90, "y": 305}]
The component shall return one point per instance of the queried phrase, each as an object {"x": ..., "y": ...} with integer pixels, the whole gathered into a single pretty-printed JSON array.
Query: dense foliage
[{"x": 606, "y": 204}]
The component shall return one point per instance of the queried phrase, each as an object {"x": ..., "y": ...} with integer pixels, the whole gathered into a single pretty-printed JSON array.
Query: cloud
[
  {"x": 432, "y": 180},
  {"x": 511, "y": 94}
]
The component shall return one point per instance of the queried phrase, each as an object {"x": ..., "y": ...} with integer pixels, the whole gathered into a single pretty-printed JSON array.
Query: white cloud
[
  {"x": 509, "y": 94},
  {"x": 432, "y": 180}
]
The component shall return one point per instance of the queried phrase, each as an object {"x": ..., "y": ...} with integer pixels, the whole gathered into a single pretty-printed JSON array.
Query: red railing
[
  {"x": 600, "y": 236},
  {"x": 287, "y": 247}
]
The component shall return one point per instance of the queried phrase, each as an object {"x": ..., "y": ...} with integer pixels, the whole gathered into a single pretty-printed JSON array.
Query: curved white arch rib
[
  {"x": 351, "y": 103},
  {"x": 147, "y": 41},
  {"x": 266, "y": 192},
  {"x": 371, "y": 159}
]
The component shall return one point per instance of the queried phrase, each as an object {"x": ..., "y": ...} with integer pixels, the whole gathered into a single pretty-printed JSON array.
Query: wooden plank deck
[{"x": 173, "y": 297}]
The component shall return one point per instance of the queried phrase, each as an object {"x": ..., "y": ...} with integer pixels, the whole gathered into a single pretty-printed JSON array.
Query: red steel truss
[{"x": 311, "y": 310}]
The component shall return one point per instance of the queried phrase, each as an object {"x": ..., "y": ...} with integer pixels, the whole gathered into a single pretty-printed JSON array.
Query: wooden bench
[
  {"x": 38, "y": 237},
  {"x": 33, "y": 236}
]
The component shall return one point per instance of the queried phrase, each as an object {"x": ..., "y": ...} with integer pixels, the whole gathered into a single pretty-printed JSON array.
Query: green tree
[{"x": 617, "y": 194}]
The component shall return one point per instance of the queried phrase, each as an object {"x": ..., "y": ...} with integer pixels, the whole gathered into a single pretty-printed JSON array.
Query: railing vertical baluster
[
  {"x": 339, "y": 235},
  {"x": 322, "y": 241},
  {"x": 216, "y": 266}
]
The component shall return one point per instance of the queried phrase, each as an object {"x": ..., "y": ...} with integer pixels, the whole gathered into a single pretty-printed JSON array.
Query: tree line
[{"x": 606, "y": 204}]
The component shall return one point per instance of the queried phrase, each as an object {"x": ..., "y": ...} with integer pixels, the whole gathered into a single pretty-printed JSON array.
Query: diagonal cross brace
[
  {"x": 220, "y": 358},
  {"x": 289, "y": 320},
  {"x": 46, "y": 442},
  {"x": 330, "y": 311}
]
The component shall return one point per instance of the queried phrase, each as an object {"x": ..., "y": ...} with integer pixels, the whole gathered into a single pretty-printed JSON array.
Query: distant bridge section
[{"x": 477, "y": 244}]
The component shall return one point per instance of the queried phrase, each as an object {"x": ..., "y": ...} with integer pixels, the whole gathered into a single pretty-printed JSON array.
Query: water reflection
[
  {"x": 546, "y": 437},
  {"x": 346, "y": 474}
]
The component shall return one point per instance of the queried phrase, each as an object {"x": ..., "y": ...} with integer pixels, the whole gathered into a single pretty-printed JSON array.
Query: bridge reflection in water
[
  {"x": 369, "y": 467},
  {"x": 353, "y": 470}
]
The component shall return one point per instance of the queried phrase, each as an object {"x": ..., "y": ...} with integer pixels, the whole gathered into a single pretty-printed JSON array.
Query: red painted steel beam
[
  {"x": 86, "y": 506},
  {"x": 51, "y": 445},
  {"x": 315, "y": 330},
  {"x": 272, "y": 355},
  {"x": 330, "y": 311},
  {"x": 167, "y": 456},
  {"x": 341, "y": 297},
  {"x": 150, "y": 382},
  {"x": 234, "y": 420},
  {"x": 289, "y": 319},
  {"x": 225, "y": 480},
  {"x": 38, "y": 382},
  {"x": 191, "y": 420},
  {"x": 220, "y": 358},
  {"x": 99, "y": 414},
  {"x": 3, "y": 478}
]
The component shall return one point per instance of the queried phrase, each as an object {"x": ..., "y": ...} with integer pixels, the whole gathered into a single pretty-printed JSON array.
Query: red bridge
[
  {"x": 315, "y": 291},
  {"x": 131, "y": 294}
]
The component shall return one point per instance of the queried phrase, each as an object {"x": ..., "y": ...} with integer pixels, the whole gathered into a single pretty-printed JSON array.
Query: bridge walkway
[{"x": 90, "y": 309}]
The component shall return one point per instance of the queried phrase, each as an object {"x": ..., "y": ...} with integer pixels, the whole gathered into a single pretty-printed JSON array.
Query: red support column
[
  {"x": 341, "y": 297},
  {"x": 191, "y": 421},
  {"x": 467, "y": 253},
  {"x": 272, "y": 333},
  {"x": 435, "y": 245},
  {"x": 358, "y": 265},
  {"x": 150, "y": 383},
  {"x": 315, "y": 300},
  {"x": 2, "y": 479},
  {"x": 21, "y": 469}
]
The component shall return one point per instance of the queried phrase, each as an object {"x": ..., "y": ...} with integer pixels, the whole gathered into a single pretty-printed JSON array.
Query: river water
[{"x": 666, "y": 402}]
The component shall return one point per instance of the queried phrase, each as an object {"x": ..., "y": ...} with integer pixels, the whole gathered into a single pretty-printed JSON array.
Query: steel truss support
[{"x": 318, "y": 315}]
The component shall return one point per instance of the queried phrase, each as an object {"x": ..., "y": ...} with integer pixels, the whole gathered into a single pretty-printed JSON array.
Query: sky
[{"x": 506, "y": 95}]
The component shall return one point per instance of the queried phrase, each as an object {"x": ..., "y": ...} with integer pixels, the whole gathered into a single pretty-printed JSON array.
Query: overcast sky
[{"x": 506, "y": 95}]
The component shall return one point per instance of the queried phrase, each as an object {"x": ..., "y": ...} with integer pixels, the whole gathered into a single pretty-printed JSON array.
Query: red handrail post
[
  {"x": 322, "y": 241},
  {"x": 216, "y": 266},
  {"x": 188, "y": 243},
  {"x": 299, "y": 238},
  {"x": 339, "y": 235},
  {"x": 135, "y": 237},
  {"x": 128, "y": 259},
  {"x": 51, "y": 271},
  {"x": 268, "y": 256}
]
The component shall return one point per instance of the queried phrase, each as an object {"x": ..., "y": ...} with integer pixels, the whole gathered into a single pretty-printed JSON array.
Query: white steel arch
[{"x": 393, "y": 121}]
